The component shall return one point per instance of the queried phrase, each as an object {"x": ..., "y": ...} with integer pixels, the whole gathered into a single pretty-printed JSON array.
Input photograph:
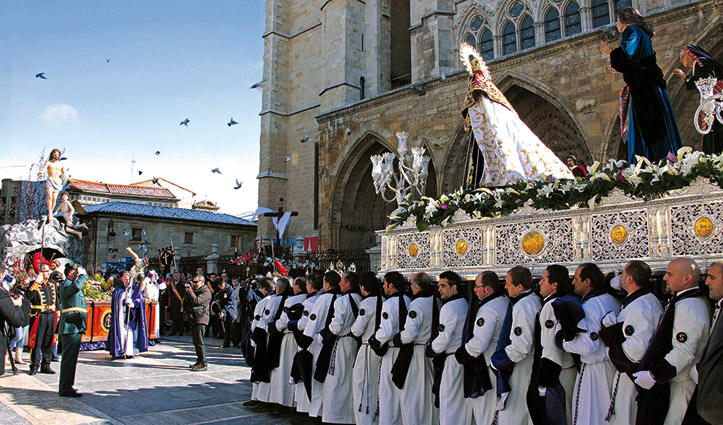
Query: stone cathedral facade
[{"x": 341, "y": 77}]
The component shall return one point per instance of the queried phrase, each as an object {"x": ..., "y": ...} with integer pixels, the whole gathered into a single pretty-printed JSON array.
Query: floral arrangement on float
[{"x": 644, "y": 181}]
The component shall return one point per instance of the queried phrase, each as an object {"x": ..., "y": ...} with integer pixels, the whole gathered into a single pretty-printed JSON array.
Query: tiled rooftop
[
  {"x": 141, "y": 210},
  {"x": 122, "y": 189}
]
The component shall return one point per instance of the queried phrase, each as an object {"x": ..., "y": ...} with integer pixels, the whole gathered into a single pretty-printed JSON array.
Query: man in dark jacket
[
  {"x": 197, "y": 301},
  {"x": 12, "y": 313},
  {"x": 175, "y": 293},
  {"x": 71, "y": 327},
  {"x": 226, "y": 299}
]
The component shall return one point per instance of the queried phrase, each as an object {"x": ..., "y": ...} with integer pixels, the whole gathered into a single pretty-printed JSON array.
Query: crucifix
[{"x": 281, "y": 218}]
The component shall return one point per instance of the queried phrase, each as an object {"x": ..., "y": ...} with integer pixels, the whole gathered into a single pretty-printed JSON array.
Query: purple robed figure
[{"x": 128, "y": 333}]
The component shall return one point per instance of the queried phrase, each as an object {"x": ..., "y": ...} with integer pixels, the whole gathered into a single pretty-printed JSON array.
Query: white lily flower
[
  {"x": 593, "y": 168},
  {"x": 499, "y": 204},
  {"x": 591, "y": 202},
  {"x": 546, "y": 190},
  {"x": 683, "y": 151},
  {"x": 599, "y": 176},
  {"x": 443, "y": 199}
]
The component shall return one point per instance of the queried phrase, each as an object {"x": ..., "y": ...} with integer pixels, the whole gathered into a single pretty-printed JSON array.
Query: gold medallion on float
[
  {"x": 533, "y": 243},
  {"x": 461, "y": 246},
  {"x": 704, "y": 227},
  {"x": 619, "y": 234},
  {"x": 413, "y": 249}
]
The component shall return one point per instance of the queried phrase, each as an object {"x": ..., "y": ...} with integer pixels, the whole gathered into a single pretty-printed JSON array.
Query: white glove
[
  {"x": 81, "y": 271},
  {"x": 644, "y": 379},
  {"x": 609, "y": 319},
  {"x": 542, "y": 391},
  {"x": 129, "y": 302}
]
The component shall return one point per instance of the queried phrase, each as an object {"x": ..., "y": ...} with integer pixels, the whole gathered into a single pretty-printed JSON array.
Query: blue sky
[{"x": 169, "y": 60}]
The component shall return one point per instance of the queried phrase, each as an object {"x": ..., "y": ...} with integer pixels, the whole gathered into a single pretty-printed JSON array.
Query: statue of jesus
[{"x": 54, "y": 182}]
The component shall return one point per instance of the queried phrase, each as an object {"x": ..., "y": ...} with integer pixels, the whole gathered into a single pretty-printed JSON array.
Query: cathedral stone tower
[{"x": 341, "y": 77}]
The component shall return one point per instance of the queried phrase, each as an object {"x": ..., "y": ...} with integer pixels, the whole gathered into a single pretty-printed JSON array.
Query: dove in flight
[
  {"x": 125, "y": 233},
  {"x": 155, "y": 181},
  {"x": 140, "y": 172},
  {"x": 238, "y": 185},
  {"x": 185, "y": 122},
  {"x": 216, "y": 171},
  {"x": 41, "y": 75},
  {"x": 158, "y": 153},
  {"x": 287, "y": 158},
  {"x": 107, "y": 60},
  {"x": 232, "y": 122}
]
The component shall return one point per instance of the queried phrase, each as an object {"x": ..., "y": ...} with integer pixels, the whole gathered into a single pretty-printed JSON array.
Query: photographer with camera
[
  {"x": 15, "y": 312},
  {"x": 196, "y": 306}
]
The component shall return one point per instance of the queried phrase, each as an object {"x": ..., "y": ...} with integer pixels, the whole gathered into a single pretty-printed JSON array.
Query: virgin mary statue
[{"x": 510, "y": 150}]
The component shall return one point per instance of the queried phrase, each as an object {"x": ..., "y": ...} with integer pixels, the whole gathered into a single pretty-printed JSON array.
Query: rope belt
[{"x": 80, "y": 309}]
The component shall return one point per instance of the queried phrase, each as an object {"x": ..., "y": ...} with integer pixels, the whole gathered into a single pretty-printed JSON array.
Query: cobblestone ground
[{"x": 154, "y": 388}]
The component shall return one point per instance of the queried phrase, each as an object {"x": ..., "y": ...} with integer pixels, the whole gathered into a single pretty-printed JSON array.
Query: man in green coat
[{"x": 71, "y": 327}]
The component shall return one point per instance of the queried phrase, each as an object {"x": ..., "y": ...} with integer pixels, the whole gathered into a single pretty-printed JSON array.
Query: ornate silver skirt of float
[{"x": 685, "y": 222}]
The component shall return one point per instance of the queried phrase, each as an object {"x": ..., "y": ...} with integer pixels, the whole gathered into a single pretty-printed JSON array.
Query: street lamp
[{"x": 412, "y": 171}]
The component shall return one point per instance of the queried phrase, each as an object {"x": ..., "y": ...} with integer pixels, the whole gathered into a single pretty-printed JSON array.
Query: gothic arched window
[
  {"x": 527, "y": 33},
  {"x": 572, "y": 19},
  {"x": 509, "y": 39},
  {"x": 486, "y": 46},
  {"x": 600, "y": 13},
  {"x": 552, "y": 25},
  {"x": 480, "y": 36}
]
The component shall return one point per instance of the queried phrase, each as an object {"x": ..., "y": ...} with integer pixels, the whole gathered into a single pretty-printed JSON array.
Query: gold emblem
[
  {"x": 413, "y": 249},
  {"x": 461, "y": 246},
  {"x": 619, "y": 234},
  {"x": 533, "y": 243},
  {"x": 105, "y": 321},
  {"x": 704, "y": 227}
]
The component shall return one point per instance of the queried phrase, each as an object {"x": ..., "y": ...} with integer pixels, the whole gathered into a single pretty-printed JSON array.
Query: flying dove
[
  {"x": 238, "y": 185},
  {"x": 185, "y": 122},
  {"x": 216, "y": 170},
  {"x": 232, "y": 122},
  {"x": 287, "y": 158},
  {"x": 107, "y": 60},
  {"x": 41, "y": 75},
  {"x": 158, "y": 153}
]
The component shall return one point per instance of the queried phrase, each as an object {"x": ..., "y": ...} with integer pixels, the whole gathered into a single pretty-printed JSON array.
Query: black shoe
[
  {"x": 55, "y": 359},
  {"x": 199, "y": 368},
  {"x": 33, "y": 370},
  {"x": 72, "y": 393},
  {"x": 47, "y": 369}
]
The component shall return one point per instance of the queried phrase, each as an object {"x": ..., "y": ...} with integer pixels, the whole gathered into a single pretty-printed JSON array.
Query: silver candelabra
[
  {"x": 711, "y": 105},
  {"x": 412, "y": 171}
]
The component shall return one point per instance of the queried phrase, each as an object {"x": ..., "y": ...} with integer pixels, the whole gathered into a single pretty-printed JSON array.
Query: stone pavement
[{"x": 155, "y": 388}]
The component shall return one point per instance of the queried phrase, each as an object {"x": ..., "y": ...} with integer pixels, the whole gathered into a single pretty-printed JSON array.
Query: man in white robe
[
  {"x": 366, "y": 366},
  {"x": 282, "y": 390},
  {"x": 593, "y": 383},
  {"x": 338, "y": 404},
  {"x": 453, "y": 408},
  {"x": 318, "y": 320},
  {"x": 515, "y": 348},
  {"x": 416, "y": 373},
  {"x": 394, "y": 311},
  {"x": 260, "y": 390},
  {"x": 487, "y": 326},
  {"x": 627, "y": 336}
]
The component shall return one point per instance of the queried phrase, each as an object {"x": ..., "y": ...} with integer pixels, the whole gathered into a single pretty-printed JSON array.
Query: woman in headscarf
[
  {"x": 704, "y": 66},
  {"x": 646, "y": 117}
]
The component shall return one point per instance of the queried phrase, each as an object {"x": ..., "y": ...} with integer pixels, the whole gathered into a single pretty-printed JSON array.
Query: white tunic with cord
[
  {"x": 488, "y": 325},
  {"x": 591, "y": 397},
  {"x": 640, "y": 319},
  {"x": 338, "y": 403},
  {"x": 317, "y": 322},
  {"x": 521, "y": 352},
  {"x": 550, "y": 351},
  {"x": 300, "y": 396},
  {"x": 692, "y": 319},
  {"x": 453, "y": 408},
  {"x": 390, "y": 404},
  {"x": 416, "y": 397},
  {"x": 366, "y": 366},
  {"x": 260, "y": 391},
  {"x": 282, "y": 391}
]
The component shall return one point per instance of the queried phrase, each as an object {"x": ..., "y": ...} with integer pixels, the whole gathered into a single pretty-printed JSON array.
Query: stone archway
[
  {"x": 552, "y": 125},
  {"x": 361, "y": 211}
]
